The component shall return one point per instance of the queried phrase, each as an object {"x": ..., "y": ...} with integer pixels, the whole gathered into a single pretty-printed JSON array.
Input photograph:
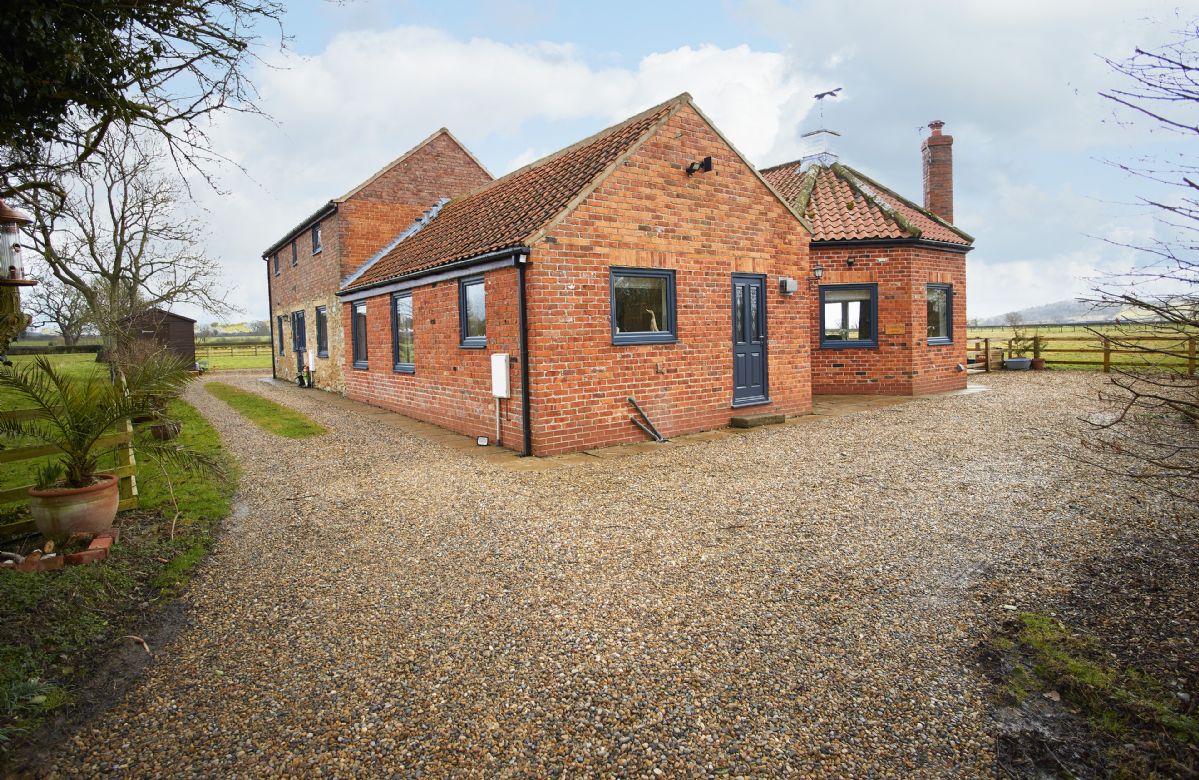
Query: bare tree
[
  {"x": 116, "y": 235},
  {"x": 53, "y": 303},
  {"x": 73, "y": 72},
  {"x": 1152, "y": 418}
]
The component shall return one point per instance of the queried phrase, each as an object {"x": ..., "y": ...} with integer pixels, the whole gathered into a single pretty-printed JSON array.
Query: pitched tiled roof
[
  {"x": 845, "y": 205},
  {"x": 509, "y": 211}
]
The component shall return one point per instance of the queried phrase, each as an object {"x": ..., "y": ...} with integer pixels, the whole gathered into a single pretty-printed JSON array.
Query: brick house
[
  {"x": 307, "y": 266},
  {"x": 889, "y": 309},
  {"x": 644, "y": 262}
]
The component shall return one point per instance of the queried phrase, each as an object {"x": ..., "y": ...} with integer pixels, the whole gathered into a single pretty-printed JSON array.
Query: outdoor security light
[
  {"x": 703, "y": 165},
  {"x": 817, "y": 272}
]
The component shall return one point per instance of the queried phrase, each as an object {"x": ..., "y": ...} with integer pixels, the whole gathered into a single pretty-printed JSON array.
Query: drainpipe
[
  {"x": 270, "y": 313},
  {"x": 521, "y": 266}
]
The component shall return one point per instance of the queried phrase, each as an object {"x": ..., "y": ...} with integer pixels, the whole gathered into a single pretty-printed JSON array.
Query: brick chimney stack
[{"x": 937, "y": 151}]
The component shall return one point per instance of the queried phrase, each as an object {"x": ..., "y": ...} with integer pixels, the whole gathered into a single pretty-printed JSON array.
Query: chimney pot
[{"x": 937, "y": 155}]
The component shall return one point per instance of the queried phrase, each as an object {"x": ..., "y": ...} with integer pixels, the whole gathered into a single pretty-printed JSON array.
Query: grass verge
[
  {"x": 265, "y": 413},
  {"x": 1140, "y": 726},
  {"x": 60, "y": 625}
]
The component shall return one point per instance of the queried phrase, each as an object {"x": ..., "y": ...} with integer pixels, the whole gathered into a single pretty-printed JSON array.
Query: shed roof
[{"x": 846, "y": 205}]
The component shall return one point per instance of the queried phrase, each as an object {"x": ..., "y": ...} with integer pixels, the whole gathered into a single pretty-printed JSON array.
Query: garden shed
[{"x": 173, "y": 331}]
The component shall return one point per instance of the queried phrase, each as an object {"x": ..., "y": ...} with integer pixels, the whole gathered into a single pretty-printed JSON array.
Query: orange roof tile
[
  {"x": 508, "y": 211},
  {"x": 845, "y": 205}
]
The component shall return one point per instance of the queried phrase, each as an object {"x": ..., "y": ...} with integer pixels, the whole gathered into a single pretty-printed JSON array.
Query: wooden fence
[
  {"x": 125, "y": 470},
  {"x": 207, "y": 350},
  {"x": 1173, "y": 351}
]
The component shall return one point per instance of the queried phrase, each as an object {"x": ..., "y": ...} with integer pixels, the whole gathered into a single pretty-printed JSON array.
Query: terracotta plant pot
[
  {"x": 60, "y": 512},
  {"x": 1038, "y": 364}
]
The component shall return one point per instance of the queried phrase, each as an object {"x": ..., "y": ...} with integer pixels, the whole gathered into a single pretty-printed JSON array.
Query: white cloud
[{"x": 370, "y": 95}]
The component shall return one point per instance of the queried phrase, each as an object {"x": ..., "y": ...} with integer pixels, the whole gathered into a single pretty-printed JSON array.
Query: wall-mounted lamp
[
  {"x": 703, "y": 165},
  {"x": 817, "y": 272},
  {"x": 850, "y": 262}
]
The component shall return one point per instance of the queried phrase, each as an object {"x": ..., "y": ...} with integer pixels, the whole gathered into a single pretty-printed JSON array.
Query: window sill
[
  {"x": 939, "y": 342},
  {"x": 633, "y": 339},
  {"x": 362, "y": 365},
  {"x": 474, "y": 344},
  {"x": 759, "y": 401},
  {"x": 849, "y": 345},
  {"x": 316, "y": 252},
  {"x": 404, "y": 368},
  {"x": 324, "y": 355}
]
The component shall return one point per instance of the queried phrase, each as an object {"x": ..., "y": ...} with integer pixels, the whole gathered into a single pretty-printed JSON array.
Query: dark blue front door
[{"x": 749, "y": 339}]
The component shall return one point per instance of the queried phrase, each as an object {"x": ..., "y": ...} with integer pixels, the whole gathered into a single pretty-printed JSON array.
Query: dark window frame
[
  {"x": 466, "y": 341},
  {"x": 396, "y": 365},
  {"x": 299, "y": 332},
  {"x": 872, "y": 342},
  {"x": 948, "y": 288},
  {"x": 359, "y": 361},
  {"x": 668, "y": 335},
  {"x": 322, "y": 331},
  {"x": 295, "y": 254},
  {"x": 316, "y": 239},
  {"x": 275, "y": 257},
  {"x": 279, "y": 326}
]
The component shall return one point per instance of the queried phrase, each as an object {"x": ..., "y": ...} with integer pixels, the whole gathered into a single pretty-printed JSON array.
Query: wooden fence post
[
  {"x": 1107, "y": 355},
  {"x": 987, "y": 354},
  {"x": 1191, "y": 356},
  {"x": 127, "y": 486}
]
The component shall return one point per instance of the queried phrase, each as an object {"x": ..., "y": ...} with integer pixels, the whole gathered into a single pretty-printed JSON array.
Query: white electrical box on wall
[{"x": 500, "y": 387}]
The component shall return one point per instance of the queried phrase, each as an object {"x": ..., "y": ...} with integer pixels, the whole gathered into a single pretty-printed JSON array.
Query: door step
[{"x": 754, "y": 420}]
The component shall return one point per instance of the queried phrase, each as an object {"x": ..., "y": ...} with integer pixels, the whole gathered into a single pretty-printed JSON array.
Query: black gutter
[
  {"x": 855, "y": 242},
  {"x": 270, "y": 313},
  {"x": 466, "y": 261},
  {"x": 525, "y": 405},
  {"x": 321, "y": 213}
]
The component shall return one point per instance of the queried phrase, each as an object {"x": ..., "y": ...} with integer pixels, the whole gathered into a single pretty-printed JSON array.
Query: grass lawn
[
  {"x": 75, "y": 364},
  {"x": 58, "y": 626},
  {"x": 265, "y": 413}
]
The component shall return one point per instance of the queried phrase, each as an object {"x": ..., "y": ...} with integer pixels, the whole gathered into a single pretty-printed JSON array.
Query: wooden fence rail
[
  {"x": 1044, "y": 347},
  {"x": 125, "y": 470}
]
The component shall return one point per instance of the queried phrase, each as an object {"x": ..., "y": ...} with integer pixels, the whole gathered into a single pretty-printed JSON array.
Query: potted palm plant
[{"x": 74, "y": 415}]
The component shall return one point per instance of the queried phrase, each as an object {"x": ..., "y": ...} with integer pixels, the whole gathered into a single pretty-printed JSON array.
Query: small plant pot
[
  {"x": 1038, "y": 364},
  {"x": 1017, "y": 363},
  {"x": 62, "y": 512},
  {"x": 165, "y": 431}
]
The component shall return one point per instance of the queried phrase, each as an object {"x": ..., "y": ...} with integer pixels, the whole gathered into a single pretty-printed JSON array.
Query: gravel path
[{"x": 802, "y": 598}]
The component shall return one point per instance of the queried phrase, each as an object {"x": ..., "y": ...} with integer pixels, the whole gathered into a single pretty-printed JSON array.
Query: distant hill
[{"x": 1062, "y": 311}]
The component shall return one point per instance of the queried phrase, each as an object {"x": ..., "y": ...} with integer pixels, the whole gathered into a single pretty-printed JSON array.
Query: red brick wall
[
  {"x": 706, "y": 227},
  {"x": 383, "y": 208},
  {"x": 452, "y": 385},
  {"x": 903, "y": 363}
]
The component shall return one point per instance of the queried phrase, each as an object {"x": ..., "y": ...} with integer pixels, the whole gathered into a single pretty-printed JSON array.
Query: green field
[{"x": 1076, "y": 347}]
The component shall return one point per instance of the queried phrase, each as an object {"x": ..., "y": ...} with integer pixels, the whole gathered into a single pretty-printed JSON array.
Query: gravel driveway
[{"x": 805, "y": 598}]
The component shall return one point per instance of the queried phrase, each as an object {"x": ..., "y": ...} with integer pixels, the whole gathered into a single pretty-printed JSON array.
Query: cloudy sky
[{"x": 363, "y": 80}]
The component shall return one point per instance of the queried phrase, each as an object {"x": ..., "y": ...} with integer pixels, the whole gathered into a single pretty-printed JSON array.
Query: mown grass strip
[{"x": 265, "y": 413}]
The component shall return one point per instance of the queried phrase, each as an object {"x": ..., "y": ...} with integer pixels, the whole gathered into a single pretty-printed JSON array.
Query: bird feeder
[{"x": 12, "y": 279}]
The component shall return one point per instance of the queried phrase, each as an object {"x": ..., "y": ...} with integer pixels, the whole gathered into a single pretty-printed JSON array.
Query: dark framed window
[
  {"x": 358, "y": 333},
  {"x": 299, "y": 333},
  {"x": 275, "y": 257},
  {"x": 279, "y": 330},
  {"x": 316, "y": 238},
  {"x": 643, "y": 306},
  {"x": 295, "y": 257},
  {"x": 849, "y": 315},
  {"x": 940, "y": 313},
  {"x": 403, "y": 350},
  {"x": 322, "y": 332},
  {"x": 472, "y": 312}
]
